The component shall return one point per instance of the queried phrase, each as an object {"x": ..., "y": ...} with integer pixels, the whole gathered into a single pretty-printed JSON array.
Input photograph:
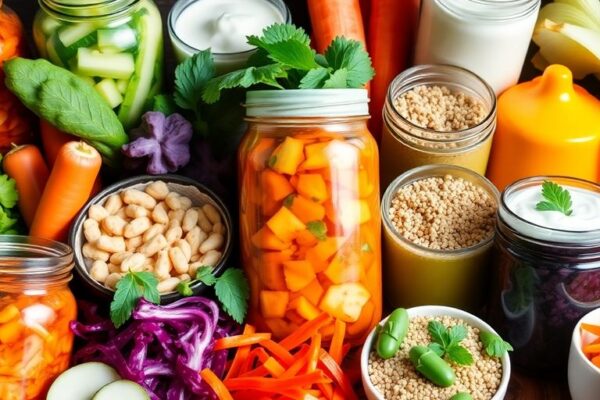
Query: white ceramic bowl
[
  {"x": 584, "y": 377},
  {"x": 431, "y": 311}
]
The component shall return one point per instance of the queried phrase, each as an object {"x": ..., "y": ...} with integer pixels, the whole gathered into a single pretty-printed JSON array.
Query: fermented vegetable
[{"x": 392, "y": 334}]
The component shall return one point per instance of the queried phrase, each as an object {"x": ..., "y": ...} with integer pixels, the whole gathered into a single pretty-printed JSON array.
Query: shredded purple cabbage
[{"x": 163, "y": 348}]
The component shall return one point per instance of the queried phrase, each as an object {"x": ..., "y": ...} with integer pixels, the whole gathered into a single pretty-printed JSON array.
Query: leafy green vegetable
[
  {"x": 494, "y": 345},
  {"x": 191, "y": 77},
  {"x": 556, "y": 198},
  {"x": 184, "y": 288},
  {"x": 67, "y": 102},
  {"x": 284, "y": 59},
  {"x": 8, "y": 192},
  {"x": 446, "y": 342},
  {"x": 205, "y": 275},
  {"x": 130, "y": 288},
  {"x": 318, "y": 229},
  {"x": 164, "y": 103}
]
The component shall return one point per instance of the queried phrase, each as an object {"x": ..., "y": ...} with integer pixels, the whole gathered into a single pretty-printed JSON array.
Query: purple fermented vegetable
[
  {"x": 163, "y": 348},
  {"x": 163, "y": 142}
]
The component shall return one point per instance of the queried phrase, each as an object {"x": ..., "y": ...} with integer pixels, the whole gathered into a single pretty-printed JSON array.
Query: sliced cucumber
[
  {"x": 109, "y": 92},
  {"x": 49, "y": 24},
  {"x": 71, "y": 34},
  {"x": 121, "y": 390},
  {"x": 52, "y": 53},
  {"x": 116, "y": 66},
  {"x": 82, "y": 382},
  {"x": 121, "y": 39},
  {"x": 122, "y": 85},
  {"x": 149, "y": 55},
  {"x": 88, "y": 79}
]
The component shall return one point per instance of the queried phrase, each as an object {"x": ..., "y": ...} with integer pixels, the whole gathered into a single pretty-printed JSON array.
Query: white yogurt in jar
[
  {"x": 582, "y": 224},
  {"x": 487, "y": 37},
  {"x": 222, "y": 26}
]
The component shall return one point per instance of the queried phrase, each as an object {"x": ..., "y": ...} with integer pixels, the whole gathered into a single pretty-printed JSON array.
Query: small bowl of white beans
[{"x": 169, "y": 226}]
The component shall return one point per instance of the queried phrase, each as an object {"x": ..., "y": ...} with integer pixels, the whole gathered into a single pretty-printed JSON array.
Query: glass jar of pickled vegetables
[
  {"x": 115, "y": 45},
  {"x": 309, "y": 211},
  {"x": 36, "y": 307},
  {"x": 14, "y": 125}
]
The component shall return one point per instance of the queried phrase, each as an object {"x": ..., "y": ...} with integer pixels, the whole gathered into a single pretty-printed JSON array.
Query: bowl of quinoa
[{"x": 397, "y": 379}]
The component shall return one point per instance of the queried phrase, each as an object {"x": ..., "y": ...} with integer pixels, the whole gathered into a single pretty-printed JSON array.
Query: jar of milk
[{"x": 488, "y": 37}]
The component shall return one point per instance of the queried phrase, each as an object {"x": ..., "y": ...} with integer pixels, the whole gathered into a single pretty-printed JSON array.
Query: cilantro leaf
[
  {"x": 267, "y": 74},
  {"x": 130, "y": 288},
  {"x": 457, "y": 333},
  {"x": 318, "y": 229},
  {"x": 459, "y": 355},
  {"x": 184, "y": 288},
  {"x": 204, "y": 274},
  {"x": 494, "y": 345},
  {"x": 8, "y": 192},
  {"x": 314, "y": 78},
  {"x": 8, "y": 222},
  {"x": 191, "y": 76},
  {"x": 338, "y": 80},
  {"x": 350, "y": 54},
  {"x": 446, "y": 342},
  {"x": 290, "y": 53},
  {"x": 279, "y": 33},
  {"x": 438, "y": 333},
  {"x": 164, "y": 103},
  {"x": 437, "y": 348},
  {"x": 556, "y": 199},
  {"x": 233, "y": 292}
]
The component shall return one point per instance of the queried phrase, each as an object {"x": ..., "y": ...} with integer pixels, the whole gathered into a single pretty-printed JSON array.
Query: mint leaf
[
  {"x": 245, "y": 78},
  {"x": 350, "y": 54},
  {"x": 148, "y": 283},
  {"x": 446, "y": 342},
  {"x": 338, "y": 80},
  {"x": 437, "y": 330},
  {"x": 318, "y": 229},
  {"x": 437, "y": 348},
  {"x": 8, "y": 192},
  {"x": 457, "y": 333},
  {"x": 130, "y": 288},
  {"x": 204, "y": 274},
  {"x": 233, "y": 292},
  {"x": 556, "y": 199},
  {"x": 494, "y": 345},
  {"x": 280, "y": 32},
  {"x": 184, "y": 288},
  {"x": 314, "y": 78},
  {"x": 191, "y": 76},
  {"x": 459, "y": 355}
]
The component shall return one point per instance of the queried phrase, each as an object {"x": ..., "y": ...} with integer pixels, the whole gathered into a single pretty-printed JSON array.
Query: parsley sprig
[
  {"x": 494, "y": 345},
  {"x": 556, "y": 198},
  {"x": 446, "y": 342}
]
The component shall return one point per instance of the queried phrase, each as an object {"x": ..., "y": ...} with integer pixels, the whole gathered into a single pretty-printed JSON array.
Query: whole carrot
[
  {"x": 333, "y": 18},
  {"x": 68, "y": 189},
  {"x": 52, "y": 140},
  {"x": 27, "y": 167},
  {"x": 391, "y": 33}
]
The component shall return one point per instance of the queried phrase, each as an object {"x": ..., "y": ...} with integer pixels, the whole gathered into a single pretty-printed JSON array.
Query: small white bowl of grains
[{"x": 434, "y": 352}]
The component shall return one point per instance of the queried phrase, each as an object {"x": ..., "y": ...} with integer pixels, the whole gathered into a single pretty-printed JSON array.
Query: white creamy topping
[{"x": 223, "y": 25}]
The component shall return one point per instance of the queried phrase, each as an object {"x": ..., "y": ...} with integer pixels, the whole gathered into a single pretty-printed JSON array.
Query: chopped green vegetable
[
  {"x": 494, "y": 345},
  {"x": 446, "y": 342},
  {"x": 318, "y": 229},
  {"x": 556, "y": 198},
  {"x": 191, "y": 77},
  {"x": 130, "y": 288}
]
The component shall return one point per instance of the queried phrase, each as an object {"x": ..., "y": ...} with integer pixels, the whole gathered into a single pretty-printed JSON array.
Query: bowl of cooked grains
[{"x": 434, "y": 352}]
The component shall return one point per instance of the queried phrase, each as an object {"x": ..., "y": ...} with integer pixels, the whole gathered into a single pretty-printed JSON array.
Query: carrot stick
[
  {"x": 241, "y": 355},
  {"x": 68, "y": 189},
  {"x": 313, "y": 353},
  {"x": 215, "y": 384},
  {"x": 335, "y": 372},
  {"x": 278, "y": 351},
  {"x": 596, "y": 361},
  {"x": 53, "y": 140},
  {"x": 591, "y": 349},
  {"x": 229, "y": 342},
  {"x": 274, "y": 385},
  {"x": 333, "y": 18},
  {"x": 296, "y": 366},
  {"x": 27, "y": 167},
  {"x": 337, "y": 341},
  {"x": 391, "y": 33},
  {"x": 305, "y": 331},
  {"x": 595, "y": 329}
]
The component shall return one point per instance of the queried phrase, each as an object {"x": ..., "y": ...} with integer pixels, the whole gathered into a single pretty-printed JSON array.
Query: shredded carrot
[
  {"x": 304, "y": 332},
  {"x": 596, "y": 361},
  {"x": 313, "y": 353},
  {"x": 278, "y": 351},
  {"x": 591, "y": 349},
  {"x": 215, "y": 384},
  {"x": 240, "y": 340},
  {"x": 595, "y": 329},
  {"x": 241, "y": 355},
  {"x": 337, "y": 341},
  {"x": 274, "y": 385},
  {"x": 274, "y": 368}
]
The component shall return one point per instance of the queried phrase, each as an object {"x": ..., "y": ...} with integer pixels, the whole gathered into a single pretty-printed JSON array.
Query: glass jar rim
[
  {"x": 181, "y": 5},
  {"x": 429, "y": 135},
  {"x": 78, "y": 10},
  {"x": 433, "y": 170},
  {"x": 489, "y": 10},
  {"x": 507, "y": 215}
]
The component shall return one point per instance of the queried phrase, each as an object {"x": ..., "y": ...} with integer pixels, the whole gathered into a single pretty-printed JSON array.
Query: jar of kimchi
[
  {"x": 14, "y": 125},
  {"x": 309, "y": 211},
  {"x": 36, "y": 308}
]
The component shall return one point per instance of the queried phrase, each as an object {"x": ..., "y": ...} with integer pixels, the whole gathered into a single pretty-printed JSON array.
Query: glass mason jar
[
  {"x": 36, "y": 308},
  {"x": 545, "y": 281},
  {"x": 415, "y": 275},
  {"x": 309, "y": 211},
  {"x": 115, "y": 45},
  {"x": 488, "y": 37},
  {"x": 14, "y": 118},
  {"x": 405, "y": 145}
]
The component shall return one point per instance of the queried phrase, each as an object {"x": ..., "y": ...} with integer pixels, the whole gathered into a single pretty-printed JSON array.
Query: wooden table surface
[{"x": 522, "y": 386}]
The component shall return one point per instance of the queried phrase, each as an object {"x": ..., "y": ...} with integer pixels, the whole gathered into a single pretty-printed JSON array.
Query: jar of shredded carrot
[
  {"x": 309, "y": 211},
  {"x": 36, "y": 307},
  {"x": 14, "y": 125}
]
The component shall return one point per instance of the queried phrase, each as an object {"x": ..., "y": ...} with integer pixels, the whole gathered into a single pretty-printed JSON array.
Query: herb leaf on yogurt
[
  {"x": 556, "y": 198},
  {"x": 446, "y": 342}
]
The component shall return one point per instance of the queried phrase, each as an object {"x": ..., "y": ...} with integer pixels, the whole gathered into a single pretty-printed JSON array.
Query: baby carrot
[
  {"x": 595, "y": 329},
  {"x": 68, "y": 188},
  {"x": 53, "y": 140},
  {"x": 27, "y": 167}
]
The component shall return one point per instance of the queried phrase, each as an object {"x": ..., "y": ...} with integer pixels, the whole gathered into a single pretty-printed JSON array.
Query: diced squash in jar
[
  {"x": 306, "y": 210},
  {"x": 276, "y": 186},
  {"x": 306, "y": 239},
  {"x": 285, "y": 225},
  {"x": 11, "y": 331},
  {"x": 298, "y": 274},
  {"x": 280, "y": 327},
  {"x": 364, "y": 322},
  {"x": 266, "y": 239},
  {"x": 316, "y": 158},
  {"x": 286, "y": 157},
  {"x": 348, "y": 212},
  {"x": 304, "y": 308},
  {"x": 259, "y": 155},
  {"x": 273, "y": 303},
  {"x": 270, "y": 270},
  {"x": 320, "y": 254},
  {"x": 344, "y": 270},
  {"x": 312, "y": 186},
  {"x": 313, "y": 292},
  {"x": 345, "y": 301}
]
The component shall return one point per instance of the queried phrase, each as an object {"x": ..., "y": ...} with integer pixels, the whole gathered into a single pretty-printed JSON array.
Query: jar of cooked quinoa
[
  {"x": 437, "y": 114},
  {"x": 438, "y": 231}
]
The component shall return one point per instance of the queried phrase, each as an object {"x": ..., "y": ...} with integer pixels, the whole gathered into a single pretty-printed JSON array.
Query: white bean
[
  {"x": 214, "y": 241},
  {"x": 133, "y": 243},
  {"x": 113, "y": 268},
  {"x": 156, "y": 244},
  {"x": 186, "y": 203},
  {"x": 173, "y": 201},
  {"x": 97, "y": 212},
  {"x": 134, "y": 262},
  {"x": 176, "y": 215},
  {"x": 195, "y": 237},
  {"x": 190, "y": 219},
  {"x": 173, "y": 234},
  {"x": 203, "y": 221},
  {"x": 211, "y": 213},
  {"x": 93, "y": 253},
  {"x": 185, "y": 248},
  {"x": 178, "y": 260},
  {"x": 159, "y": 190},
  {"x": 195, "y": 258},
  {"x": 135, "y": 211},
  {"x": 112, "y": 279},
  {"x": 159, "y": 214},
  {"x": 184, "y": 277},
  {"x": 168, "y": 285},
  {"x": 113, "y": 204},
  {"x": 113, "y": 225},
  {"x": 137, "y": 197},
  {"x": 111, "y": 244},
  {"x": 154, "y": 230},
  {"x": 194, "y": 268},
  {"x": 91, "y": 230},
  {"x": 122, "y": 214},
  {"x": 137, "y": 227},
  {"x": 162, "y": 267},
  {"x": 211, "y": 258},
  {"x": 219, "y": 228},
  {"x": 118, "y": 258},
  {"x": 99, "y": 271}
]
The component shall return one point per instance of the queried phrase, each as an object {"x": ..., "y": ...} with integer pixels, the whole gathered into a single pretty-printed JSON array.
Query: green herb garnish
[
  {"x": 130, "y": 288},
  {"x": 494, "y": 345},
  {"x": 446, "y": 342},
  {"x": 318, "y": 229},
  {"x": 556, "y": 198}
]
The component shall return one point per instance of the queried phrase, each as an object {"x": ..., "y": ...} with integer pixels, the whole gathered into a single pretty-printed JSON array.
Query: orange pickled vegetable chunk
[
  {"x": 273, "y": 303},
  {"x": 298, "y": 274},
  {"x": 276, "y": 186},
  {"x": 286, "y": 157},
  {"x": 316, "y": 157},
  {"x": 304, "y": 308},
  {"x": 11, "y": 331},
  {"x": 280, "y": 327},
  {"x": 344, "y": 269},
  {"x": 8, "y": 313},
  {"x": 313, "y": 187},
  {"x": 266, "y": 239},
  {"x": 270, "y": 270},
  {"x": 320, "y": 254},
  {"x": 313, "y": 292},
  {"x": 345, "y": 301},
  {"x": 306, "y": 210},
  {"x": 285, "y": 225},
  {"x": 349, "y": 212},
  {"x": 259, "y": 155},
  {"x": 306, "y": 239},
  {"x": 364, "y": 322}
]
